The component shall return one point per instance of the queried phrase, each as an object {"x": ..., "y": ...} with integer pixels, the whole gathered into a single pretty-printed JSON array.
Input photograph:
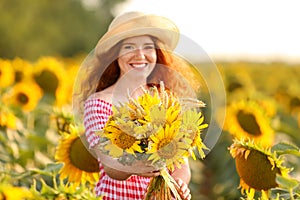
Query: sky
[{"x": 256, "y": 30}]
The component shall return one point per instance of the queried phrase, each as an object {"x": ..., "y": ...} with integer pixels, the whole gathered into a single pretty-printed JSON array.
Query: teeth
[{"x": 139, "y": 65}]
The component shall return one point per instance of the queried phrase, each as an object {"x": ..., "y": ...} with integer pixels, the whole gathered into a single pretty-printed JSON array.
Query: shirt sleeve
[{"x": 96, "y": 114}]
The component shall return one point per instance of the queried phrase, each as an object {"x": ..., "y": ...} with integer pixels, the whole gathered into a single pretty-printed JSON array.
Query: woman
[{"x": 135, "y": 52}]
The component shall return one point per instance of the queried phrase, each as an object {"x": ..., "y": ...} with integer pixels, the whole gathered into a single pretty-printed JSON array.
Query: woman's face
[{"x": 138, "y": 54}]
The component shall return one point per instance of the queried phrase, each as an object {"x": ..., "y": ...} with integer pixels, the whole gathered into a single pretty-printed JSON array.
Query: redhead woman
[{"x": 135, "y": 52}]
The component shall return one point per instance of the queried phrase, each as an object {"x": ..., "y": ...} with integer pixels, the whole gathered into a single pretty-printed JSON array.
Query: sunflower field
[{"x": 255, "y": 157}]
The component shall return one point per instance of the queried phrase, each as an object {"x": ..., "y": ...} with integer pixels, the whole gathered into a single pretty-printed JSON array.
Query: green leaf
[
  {"x": 49, "y": 170},
  {"x": 36, "y": 194},
  {"x": 53, "y": 167},
  {"x": 286, "y": 148},
  {"x": 286, "y": 182},
  {"x": 20, "y": 175},
  {"x": 47, "y": 190}
]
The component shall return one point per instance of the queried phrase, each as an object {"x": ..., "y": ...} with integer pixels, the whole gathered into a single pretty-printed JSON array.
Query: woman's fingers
[{"x": 184, "y": 192}]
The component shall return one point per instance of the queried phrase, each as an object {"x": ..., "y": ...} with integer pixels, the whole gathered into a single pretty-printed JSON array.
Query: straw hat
[
  {"x": 132, "y": 24},
  {"x": 126, "y": 25}
]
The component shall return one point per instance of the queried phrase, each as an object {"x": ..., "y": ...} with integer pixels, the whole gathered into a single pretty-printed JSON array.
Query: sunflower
[
  {"x": 120, "y": 138},
  {"x": 156, "y": 115},
  {"x": 7, "y": 118},
  {"x": 25, "y": 95},
  {"x": 62, "y": 94},
  {"x": 49, "y": 73},
  {"x": 149, "y": 129},
  {"x": 238, "y": 82},
  {"x": 287, "y": 97},
  {"x": 155, "y": 107},
  {"x": 257, "y": 167},
  {"x": 166, "y": 147},
  {"x": 192, "y": 125},
  {"x": 141, "y": 107},
  {"x": 159, "y": 116},
  {"x": 9, "y": 192},
  {"x": 63, "y": 120},
  {"x": 80, "y": 166},
  {"x": 247, "y": 119},
  {"x": 22, "y": 68},
  {"x": 7, "y": 74}
]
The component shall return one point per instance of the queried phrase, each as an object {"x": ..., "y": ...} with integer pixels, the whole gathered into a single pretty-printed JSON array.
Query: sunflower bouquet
[{"x": 155, "y": 131}]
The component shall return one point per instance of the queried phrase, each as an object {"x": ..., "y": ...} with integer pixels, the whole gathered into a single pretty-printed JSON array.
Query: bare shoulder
[{"x": 105, "y": 95}]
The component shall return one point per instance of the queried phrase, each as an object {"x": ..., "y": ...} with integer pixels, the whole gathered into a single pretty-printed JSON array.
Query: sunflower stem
[
  {"x": 291, "y": 194},
  {"x": 30, "y": 121},
  {"x": 54, "y": 182}
]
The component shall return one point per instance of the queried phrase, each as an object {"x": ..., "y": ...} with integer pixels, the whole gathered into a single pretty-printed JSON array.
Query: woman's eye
[
  {"x": 149, "y": 47},
  {"x": 128, "y": 47}
]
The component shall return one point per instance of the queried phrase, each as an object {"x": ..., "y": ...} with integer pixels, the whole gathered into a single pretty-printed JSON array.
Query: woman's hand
[
  {"x": 184, "y": 190},
  {"x": 149, "y": 174}
]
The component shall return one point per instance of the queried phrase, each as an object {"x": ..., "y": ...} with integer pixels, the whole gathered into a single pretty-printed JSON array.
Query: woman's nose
[{"x": 139, "y": 53}]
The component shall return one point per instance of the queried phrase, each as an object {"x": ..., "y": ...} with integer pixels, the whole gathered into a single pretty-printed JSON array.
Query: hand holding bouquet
[{"x": 156, "y": 131}]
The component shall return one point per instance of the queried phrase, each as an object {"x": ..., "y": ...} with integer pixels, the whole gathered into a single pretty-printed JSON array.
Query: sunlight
[{"x": 233, "y": 29}]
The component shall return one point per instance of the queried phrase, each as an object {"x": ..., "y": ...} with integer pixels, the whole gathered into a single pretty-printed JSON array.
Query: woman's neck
[{"x": 125, "y": 88}]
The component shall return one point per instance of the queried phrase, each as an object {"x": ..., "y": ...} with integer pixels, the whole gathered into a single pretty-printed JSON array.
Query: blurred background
[{"x": 254, "y": 45}]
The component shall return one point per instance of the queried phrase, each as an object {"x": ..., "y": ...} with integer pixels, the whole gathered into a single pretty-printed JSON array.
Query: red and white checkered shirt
[{"x": 97, "y": 112}]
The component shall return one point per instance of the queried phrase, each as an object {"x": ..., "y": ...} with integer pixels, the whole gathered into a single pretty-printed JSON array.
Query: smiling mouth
[{"x": 142, "y": 65}]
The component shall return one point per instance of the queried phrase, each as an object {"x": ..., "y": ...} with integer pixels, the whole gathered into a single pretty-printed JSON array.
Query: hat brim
[{"x": 161, "y": 28}]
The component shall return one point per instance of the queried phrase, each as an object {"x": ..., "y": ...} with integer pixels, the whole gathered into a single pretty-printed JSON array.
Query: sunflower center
[
  {"x": 193, "y": 131},
  {"x": 295, "y": 102},
  {"x": 158, "y": 115},
  {"x": 256, "y": 171},
  {"x": 22, "y": 98},
  {"x": 124, "y": 141},
  {"x": 234, "y": 86},
  {"x": 18, "y": 76},
  {"x": 167, "y": 149},
  {"x": 248, "y": 123},
  {"x": 48, "y": 81},
  {"x": 81, "y": 158}
]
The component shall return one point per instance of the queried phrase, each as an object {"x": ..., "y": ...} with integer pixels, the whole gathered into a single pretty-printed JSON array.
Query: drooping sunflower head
[
  {"x": 25, "y": 95},
  {"x": 246, "y": 119},
  {"x": 79, "y": 165},
  {"x": 256, "y": 166}
]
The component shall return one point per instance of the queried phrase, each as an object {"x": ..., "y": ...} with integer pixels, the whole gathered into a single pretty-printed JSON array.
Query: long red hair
[{"x": 104, "y": 71}]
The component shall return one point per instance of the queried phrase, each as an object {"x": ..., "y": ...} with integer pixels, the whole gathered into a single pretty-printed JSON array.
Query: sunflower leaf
[
  {"x": 286, "y": 182},
  {"x": 49, "y": 170},
  {"x": 46, "y": 189},
  {"x": 286, "y": 148}
]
